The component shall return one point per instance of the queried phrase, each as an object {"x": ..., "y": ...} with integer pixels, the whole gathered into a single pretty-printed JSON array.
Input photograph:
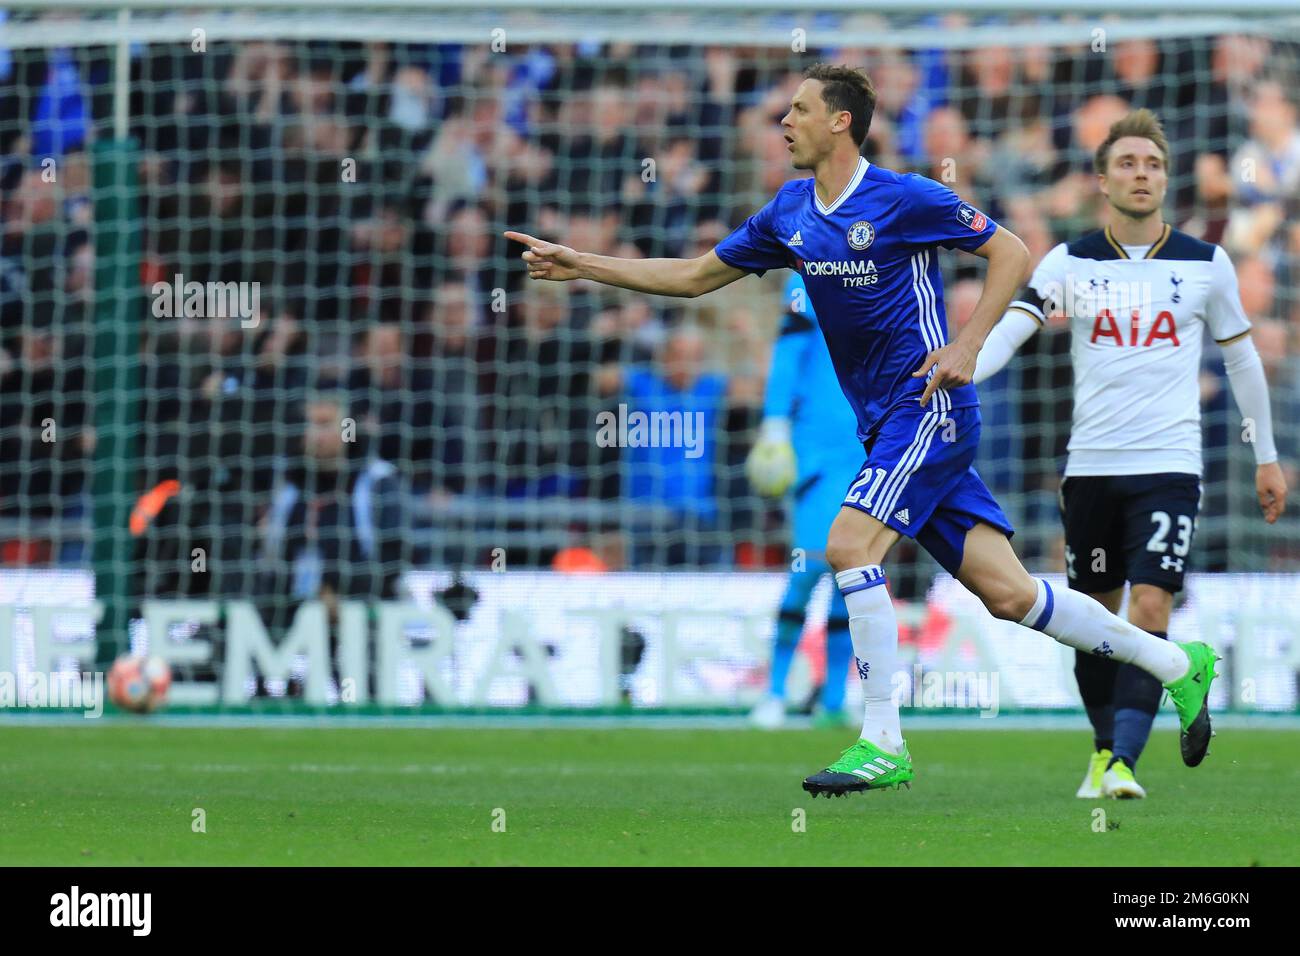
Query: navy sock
[
  {"x": 1137, "y": 698},
  {"x": 1096, "y": 679}
]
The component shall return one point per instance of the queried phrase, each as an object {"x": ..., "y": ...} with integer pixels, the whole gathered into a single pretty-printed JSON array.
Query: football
[{"x": 139, "y": 684}]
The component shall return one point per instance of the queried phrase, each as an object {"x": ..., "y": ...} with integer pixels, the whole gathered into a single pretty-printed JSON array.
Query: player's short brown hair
[
  {"x": 1142, "y": 123},
  {"x": 846, "y": 88}
]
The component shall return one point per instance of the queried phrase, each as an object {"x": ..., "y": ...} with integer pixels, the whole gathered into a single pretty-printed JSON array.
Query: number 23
[{"x": 1163, "y": 523}]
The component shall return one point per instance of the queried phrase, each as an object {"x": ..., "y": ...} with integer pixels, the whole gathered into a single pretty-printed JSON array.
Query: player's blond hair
[{"x": 1143, "y": 123}]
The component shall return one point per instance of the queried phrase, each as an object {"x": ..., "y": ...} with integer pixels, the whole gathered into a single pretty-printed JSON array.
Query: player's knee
[
  {"x": 856, "y": 540},
  {"x": 845, "y": 550},
  {"x": 839, "y": 554},
  {"x": 1149, "y": 607}
]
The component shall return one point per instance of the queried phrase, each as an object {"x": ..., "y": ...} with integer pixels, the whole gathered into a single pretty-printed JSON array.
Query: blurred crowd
[{"x": 364, "y": 188}]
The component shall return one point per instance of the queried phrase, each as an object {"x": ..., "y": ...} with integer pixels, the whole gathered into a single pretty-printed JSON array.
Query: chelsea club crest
[{"x": 861, "y": 234}]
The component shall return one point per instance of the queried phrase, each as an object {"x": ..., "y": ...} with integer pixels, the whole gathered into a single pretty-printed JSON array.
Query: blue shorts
[{"x": 918, "y": 480}]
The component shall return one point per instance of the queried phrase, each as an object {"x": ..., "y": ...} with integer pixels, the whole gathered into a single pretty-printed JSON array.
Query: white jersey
[{"x": 1138, "y": 317}]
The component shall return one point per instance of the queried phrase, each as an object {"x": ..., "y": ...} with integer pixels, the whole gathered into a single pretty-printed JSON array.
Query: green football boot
[
  {"x": 864, "y": 766},
  {"x": 1190, "y": 694}
]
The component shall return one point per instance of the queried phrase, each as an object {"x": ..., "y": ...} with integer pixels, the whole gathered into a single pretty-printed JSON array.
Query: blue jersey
[
  {"x": 870, "y": 263},
  {"x": 802, "y": 386}
]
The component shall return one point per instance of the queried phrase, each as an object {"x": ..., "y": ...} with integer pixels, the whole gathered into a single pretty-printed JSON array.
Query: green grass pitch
[{"x": 125, "y": 794}]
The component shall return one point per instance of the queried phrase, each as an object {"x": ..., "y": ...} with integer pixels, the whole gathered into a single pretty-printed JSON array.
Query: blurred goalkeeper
[{"x": 806, "y": 440}]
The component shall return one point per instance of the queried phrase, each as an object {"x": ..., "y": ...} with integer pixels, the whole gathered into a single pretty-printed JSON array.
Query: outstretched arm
[{"x": 686, "y": 278}]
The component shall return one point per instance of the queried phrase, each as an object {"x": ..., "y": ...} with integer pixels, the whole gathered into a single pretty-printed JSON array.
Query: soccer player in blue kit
[{"x": 866, "y": 242}]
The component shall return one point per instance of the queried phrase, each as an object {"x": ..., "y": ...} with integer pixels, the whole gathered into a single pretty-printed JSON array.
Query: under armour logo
[
  {"x": 1173, "y": 277},
  {"x": 1069, "y": 563},
  {"x": 1170, "y": 563},
  {"x": 1104, "y": 650},
  {"x": 1103, "y": 282},
  {"x": 863, "y": 668}
]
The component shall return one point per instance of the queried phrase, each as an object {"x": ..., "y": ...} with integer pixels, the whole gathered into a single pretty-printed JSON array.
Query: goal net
[{"x": 274, "y": 389}]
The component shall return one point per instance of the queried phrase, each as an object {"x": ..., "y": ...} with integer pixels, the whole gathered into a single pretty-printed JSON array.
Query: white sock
[
  {"x": 1078, "y": 621},
  {"x": 874, "y": 630}
]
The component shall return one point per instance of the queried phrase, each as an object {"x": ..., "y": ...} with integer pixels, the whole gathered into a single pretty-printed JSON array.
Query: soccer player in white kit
[{"x": 1140, "y": 298}]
